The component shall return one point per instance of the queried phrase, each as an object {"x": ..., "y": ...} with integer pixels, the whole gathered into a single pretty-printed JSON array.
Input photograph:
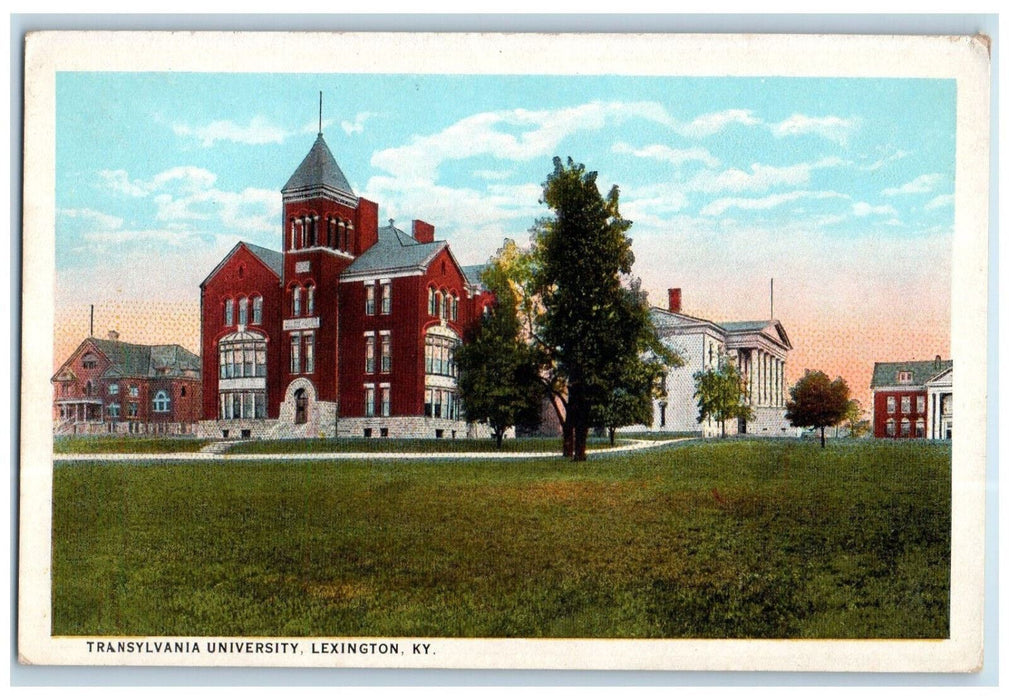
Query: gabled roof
[
  {"x": 318, "y": 169},
  {"x": 885, "y": 373},
  {"x": 135, "y": 360},
  {"x": 273, "y": 260},
  {"x": 771, "y": 328},
  {"x": 743, "y": 326},
  {"x": 395, "y": 250}
]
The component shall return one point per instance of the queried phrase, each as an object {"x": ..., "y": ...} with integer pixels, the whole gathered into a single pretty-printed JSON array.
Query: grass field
[{"x": 735, "y": 538}]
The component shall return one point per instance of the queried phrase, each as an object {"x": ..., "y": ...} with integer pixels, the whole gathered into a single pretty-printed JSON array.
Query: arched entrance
[{"x": 300, "y": 407}]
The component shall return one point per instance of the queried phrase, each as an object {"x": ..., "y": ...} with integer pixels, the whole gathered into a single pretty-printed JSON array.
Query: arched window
[
  {"x": 229, "y": 312},
  {"x": 432, "y": 308},
  {"x": 161, "y": 402},
  {"x": 891, "y": 428},
  {"x": 257, "y": 310},
  {"x": 439, "y": 351},
  {"x": 294, "y": 234},
  {"x": 310, "y": 300},
  {"x": 296, "y": 301},
  {"x": 455, "y": 308},
  {"x": 243, "y": 312},
  {"x": 905, "y": 428}
]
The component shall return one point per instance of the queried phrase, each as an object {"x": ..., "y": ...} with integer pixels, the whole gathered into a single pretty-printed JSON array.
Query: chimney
[
  {"x": 675, "y": 298},
  {"x": 938, "y": 361},
  {"x": 423, "y": 232},
  {"x": 113, "y": 335}
]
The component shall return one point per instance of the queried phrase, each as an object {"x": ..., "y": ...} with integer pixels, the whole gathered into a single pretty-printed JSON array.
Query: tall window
[
  {"x": 387, "y": 297},
  {"x": 113, "y": 410},
  {"x": 229, "y": 312},
  {"x": 919, "y": 428},
  {"x": 243, "y": 312},
  {"x": 310, "y": 300},
  {"x": 905, "y": 404},
  {"x": 891, "y": 404},
  {"x": 309, "y": 352},
  {"x": 369, "y": 400},
  {"x": 386, "y": 400},
  {"x": 455, "y": 308},
  {"x": 242, "y": 355},
  {"x": 432, "y": 309},
  {"x": 257, "y": 310},
  {"x": 369, "y": 354},
  {"x": 295, "y": 353},
  {"x": 296, "y": 301},
  {"x": 294, "y": 234},
  {"x": 386, "y": 352},
  {"x": 891, "y": 428},
  {"x": 920, "y": 404},
  {"x": 905, "y": 428},
  {"x": 161, "y": 402},
  {"x": 439, "y": 354},
  {"x": 369, "y": 299}
]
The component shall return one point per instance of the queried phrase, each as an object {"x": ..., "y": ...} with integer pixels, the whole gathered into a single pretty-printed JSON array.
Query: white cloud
[
  {"x": 943, "y": 200},
  {"x": 895, "y": 156},
  {"x": 714, "y": 122},
  {"x": 666, "y": 154},
  {"x": 832, "y": 128},
  {"x": 356, "y": 126},
  {"x": 92, "y": 218},
  {"x": 249, "y": 210},
  {"x": 184, "y": 178},
  {"x": 862, "y": 209},
  {"x": 517, "y": 134},
  {"x": 258, "y": 131},
  {"x": 758, "y": 178},
  {"x": 920, "y": 185},
  {"x": 720, "y": 206},
  {"x": 119, "y": 181}
]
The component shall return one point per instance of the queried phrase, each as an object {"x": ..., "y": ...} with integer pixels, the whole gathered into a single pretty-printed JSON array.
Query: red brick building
[
  {"x": 912, "y": 400},
  {"x": 348, "y": 330},
  {"x": 108, "y": 386}
]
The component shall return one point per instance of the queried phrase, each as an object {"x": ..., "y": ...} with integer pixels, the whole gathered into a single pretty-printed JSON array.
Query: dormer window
[
  {"x": 90, "y": 361},
  {"x": 904, "y": 377}
]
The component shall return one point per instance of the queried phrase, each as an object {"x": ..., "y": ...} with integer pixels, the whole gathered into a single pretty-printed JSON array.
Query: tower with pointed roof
[{"x": 355, "y": 327}]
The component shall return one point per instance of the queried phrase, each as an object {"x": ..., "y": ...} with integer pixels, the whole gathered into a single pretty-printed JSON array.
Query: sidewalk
[{"x": 207, "y": 456}]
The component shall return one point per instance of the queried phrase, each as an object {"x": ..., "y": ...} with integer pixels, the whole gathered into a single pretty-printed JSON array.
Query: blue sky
[{"x": 839, "y": 189}]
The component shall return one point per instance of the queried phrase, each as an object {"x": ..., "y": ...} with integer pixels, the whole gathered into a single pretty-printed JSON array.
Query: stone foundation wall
[{"x": 125, "y": 428}]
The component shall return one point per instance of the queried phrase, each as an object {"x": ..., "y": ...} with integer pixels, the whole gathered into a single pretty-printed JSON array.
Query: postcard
[{"x": 499, "y": 351}]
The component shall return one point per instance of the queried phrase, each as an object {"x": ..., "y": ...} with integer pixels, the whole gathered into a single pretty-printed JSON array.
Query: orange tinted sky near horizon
[{"x": 845, "y": 341}]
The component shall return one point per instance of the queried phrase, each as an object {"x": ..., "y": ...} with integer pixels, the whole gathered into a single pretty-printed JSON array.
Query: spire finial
[{"x": 320, "y": 112}]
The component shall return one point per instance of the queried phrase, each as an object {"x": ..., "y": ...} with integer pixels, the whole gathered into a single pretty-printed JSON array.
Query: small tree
[
  {"x": 857, "y": 426},
  {"x": 498, "y": 375},
  {"x": 721, "y": 394},
  {"x": 818, "y": 402}
]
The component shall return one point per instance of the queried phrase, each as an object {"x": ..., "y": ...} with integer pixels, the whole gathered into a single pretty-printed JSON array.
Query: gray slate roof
[
  {"x": 395, "y": 250},
  {"x": 317, "y": 169},
  {"x": 133, "y": 360},
  {"x": 473, "y": 272},
  {"x": 885, "y": 373},
  {"x": 271, "y": 258},
  {"x": 743, "y": 326}
]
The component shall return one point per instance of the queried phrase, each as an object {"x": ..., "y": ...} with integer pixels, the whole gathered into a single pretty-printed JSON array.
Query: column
[{"x": 782, "y": 382}]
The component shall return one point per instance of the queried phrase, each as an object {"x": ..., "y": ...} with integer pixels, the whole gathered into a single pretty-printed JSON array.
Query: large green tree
[
  {"x": 818, "y": 402},
  {"x": 721, "y": 394},
  {"x": 499, "y": 381},
  {"x": 588, "y": 326},
  {"x": 638, "y": 380}
]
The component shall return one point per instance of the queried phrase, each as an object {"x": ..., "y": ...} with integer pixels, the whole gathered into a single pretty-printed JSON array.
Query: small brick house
[
  {"x": 110, "y": 386},
  {"x": 913, "y": 400},
  {"x": 348, "y": 330}
]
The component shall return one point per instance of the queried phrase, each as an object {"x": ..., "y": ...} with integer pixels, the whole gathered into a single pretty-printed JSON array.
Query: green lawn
[
  {"x": 102, "y": 444},
  {"x": 735, "y": 538}
]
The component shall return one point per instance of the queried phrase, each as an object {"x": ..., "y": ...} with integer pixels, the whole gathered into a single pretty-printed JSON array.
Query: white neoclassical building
[{"x": 758, "y": 348}]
